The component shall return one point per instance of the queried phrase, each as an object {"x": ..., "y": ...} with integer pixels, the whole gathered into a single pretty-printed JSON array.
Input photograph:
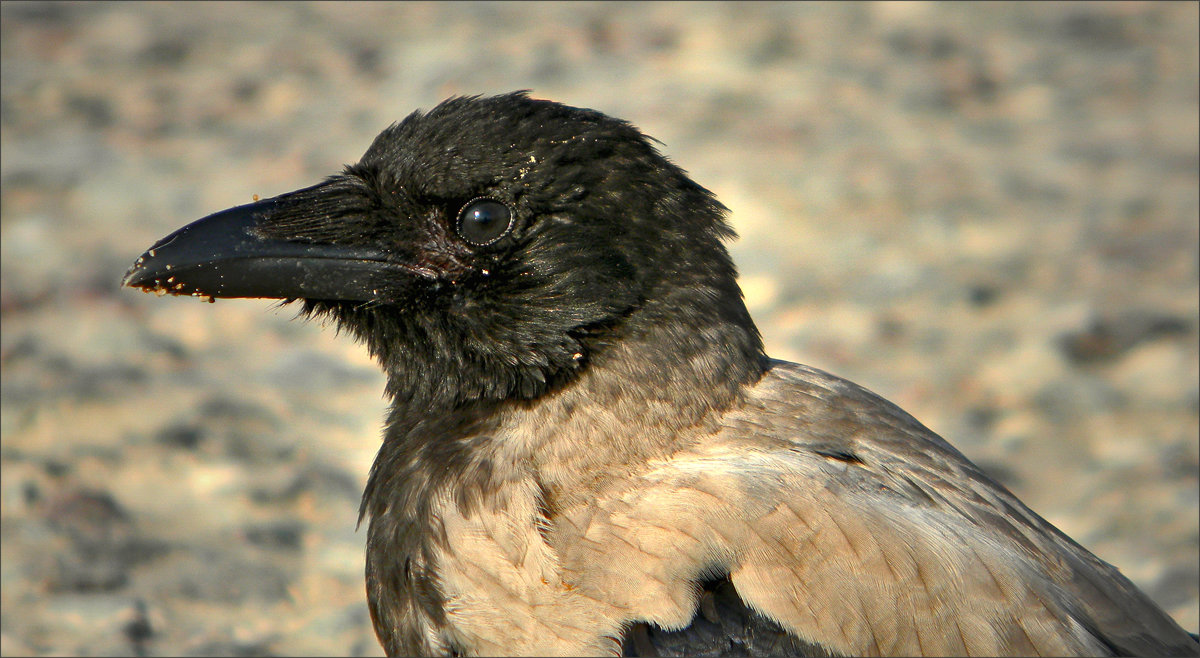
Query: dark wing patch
[
  {"x": 837, "y": 454},
  {"x": 723, "y": 626}
]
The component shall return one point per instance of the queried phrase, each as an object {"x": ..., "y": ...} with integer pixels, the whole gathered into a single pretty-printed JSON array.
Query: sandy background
[{"x": 986, "y": 213}]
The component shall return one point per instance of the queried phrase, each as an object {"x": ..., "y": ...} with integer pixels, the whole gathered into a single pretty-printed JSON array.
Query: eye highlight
[{"x": 483, "y": 221}]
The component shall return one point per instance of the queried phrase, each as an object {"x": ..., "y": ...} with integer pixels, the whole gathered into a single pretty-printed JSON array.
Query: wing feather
[{"x": 847, "y": 525}]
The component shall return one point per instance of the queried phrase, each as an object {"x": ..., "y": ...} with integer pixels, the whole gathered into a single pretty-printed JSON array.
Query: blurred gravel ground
[{"x": 986, "y": 213}]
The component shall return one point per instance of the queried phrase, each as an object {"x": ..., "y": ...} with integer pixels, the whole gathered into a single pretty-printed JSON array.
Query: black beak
[{"x": 228, "y": 255}]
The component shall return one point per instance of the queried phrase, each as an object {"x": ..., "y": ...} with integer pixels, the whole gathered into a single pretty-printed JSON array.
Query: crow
[{"x": 588, "y": 451}]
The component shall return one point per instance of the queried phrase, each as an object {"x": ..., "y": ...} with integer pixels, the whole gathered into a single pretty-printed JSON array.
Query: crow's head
[{"x": 486, "y": 249}]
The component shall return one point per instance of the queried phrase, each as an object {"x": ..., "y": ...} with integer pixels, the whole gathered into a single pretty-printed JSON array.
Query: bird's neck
[
  {"x": 660, "y": 386},
  {"x": 650, "y": 386}
]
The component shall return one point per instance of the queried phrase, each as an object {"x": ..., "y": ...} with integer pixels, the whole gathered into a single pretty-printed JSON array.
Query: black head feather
[{"x": 602, "y": 224}]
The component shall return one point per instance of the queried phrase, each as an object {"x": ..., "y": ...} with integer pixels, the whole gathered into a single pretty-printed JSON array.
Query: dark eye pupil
[{"x": 483, "y": 221}]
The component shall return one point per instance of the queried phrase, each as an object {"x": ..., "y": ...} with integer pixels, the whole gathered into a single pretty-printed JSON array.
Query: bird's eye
[{"x": 483, "y": 221}]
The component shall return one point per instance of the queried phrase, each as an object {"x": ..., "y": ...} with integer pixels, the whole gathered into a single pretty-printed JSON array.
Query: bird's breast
[
  {"x": 516, "y": 580},
  {"x": 505, "y": 589}
]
